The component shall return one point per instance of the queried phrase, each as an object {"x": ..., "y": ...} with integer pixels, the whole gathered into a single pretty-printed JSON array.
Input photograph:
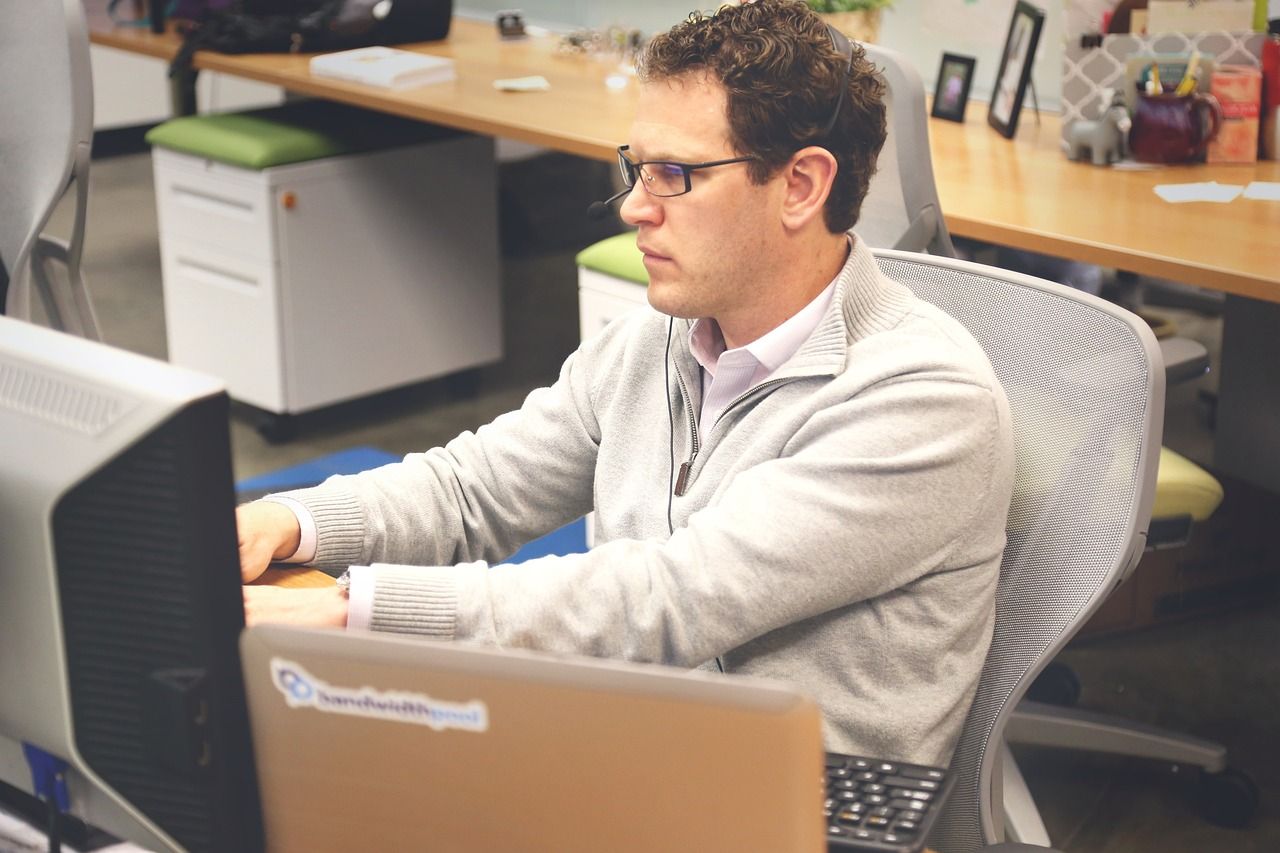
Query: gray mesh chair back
[
  {"x": 46, "y": 130},
  {"x": 1086, "y": 390},
  {"x": 901, "y": 210}
]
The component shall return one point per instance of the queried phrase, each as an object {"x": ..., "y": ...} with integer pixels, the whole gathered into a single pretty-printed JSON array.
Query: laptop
[{"x": 370, "y": 742}]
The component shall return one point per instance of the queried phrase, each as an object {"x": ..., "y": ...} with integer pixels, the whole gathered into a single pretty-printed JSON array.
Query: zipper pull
[{"x": 682, "y": 478}]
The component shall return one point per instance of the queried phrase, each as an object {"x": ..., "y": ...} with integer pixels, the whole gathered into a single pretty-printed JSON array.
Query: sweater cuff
[
  {"x": 360, "y": 597},
  {"x": 339, "y": 525},
  {"x": 419, "y": 600}
]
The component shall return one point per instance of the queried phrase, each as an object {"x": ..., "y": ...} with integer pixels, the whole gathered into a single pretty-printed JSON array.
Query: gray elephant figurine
[{"x": 1106, "y": 139}]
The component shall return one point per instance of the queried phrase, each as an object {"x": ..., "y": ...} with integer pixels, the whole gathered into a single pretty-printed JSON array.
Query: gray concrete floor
[{"x": 1218, "y": 678}]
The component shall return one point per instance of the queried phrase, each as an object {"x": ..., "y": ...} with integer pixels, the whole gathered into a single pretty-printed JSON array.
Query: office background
[
  {"x": 1217, "y": 677},
  {"x": 1214, "y": 676}
]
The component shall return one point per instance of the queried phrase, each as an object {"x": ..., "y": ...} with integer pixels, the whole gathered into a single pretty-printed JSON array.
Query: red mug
[{"x": 1171, "y": 128}]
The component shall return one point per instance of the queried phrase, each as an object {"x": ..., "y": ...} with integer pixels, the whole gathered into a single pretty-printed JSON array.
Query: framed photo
[
  {"x": 952, "y": 93},
  {"x": 1015, "y": 68}
]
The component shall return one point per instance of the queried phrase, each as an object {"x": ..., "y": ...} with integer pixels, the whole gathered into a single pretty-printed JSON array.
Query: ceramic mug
[{"x": 1171, "y": 128}]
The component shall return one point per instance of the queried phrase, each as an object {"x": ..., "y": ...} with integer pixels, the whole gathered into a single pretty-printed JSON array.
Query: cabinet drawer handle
[
  {"x": 217, "y": 277},
  {"x": 213, "y": 203}
]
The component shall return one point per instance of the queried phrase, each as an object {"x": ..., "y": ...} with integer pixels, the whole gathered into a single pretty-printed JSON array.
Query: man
[{"x": 805, "y": 476}]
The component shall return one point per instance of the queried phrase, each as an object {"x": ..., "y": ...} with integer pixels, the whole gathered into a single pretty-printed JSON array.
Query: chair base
[
  {"x": 1022, "y": 822},
  {"x": 1037, "y": 724},
  {"x": 1226, "y": 797}
]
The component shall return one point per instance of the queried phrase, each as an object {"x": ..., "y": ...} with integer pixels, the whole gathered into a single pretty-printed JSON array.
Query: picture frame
[
  {"x": 1015, "y": 68},
  {"x": 955, "y": 76}
]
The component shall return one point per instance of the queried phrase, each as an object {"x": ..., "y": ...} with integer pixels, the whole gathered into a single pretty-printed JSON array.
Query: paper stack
[{"x": 384, "y": 66}]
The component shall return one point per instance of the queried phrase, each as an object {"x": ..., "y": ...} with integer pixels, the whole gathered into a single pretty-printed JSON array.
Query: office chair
[
  {"x": 901, "y": 210},
  {"x": 1086, "y": 390},
  {"x": 46, "y": 131}
]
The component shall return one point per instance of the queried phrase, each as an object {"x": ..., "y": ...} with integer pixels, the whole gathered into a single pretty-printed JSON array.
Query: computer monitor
[{"x": 120, "y": 601}]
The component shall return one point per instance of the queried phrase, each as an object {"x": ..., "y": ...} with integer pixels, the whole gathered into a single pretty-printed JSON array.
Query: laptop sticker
[{"x": 303, "y": 690}]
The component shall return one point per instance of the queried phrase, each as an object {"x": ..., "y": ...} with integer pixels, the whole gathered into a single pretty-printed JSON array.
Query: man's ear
[{"x": 809, "y": 175}]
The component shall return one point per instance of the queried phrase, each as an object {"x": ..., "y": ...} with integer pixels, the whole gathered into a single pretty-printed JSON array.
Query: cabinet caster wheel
[
  {"x": 1228, "y": 799},
  {"x": 277, "y": 429}
]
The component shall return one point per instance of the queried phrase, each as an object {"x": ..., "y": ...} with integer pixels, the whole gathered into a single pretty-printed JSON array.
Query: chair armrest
[{"x": 1183, "y": 359}]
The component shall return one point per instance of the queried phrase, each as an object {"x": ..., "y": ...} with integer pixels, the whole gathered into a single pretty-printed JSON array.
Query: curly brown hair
[{"x": 782, "y": 77}]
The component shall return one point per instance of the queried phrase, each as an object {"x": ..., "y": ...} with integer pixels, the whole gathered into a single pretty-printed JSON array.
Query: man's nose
[{"x": 640, "y": 207}]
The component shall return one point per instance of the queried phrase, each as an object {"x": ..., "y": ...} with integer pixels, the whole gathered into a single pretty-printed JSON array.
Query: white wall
[
  {"x": 558, "y": 15},
  {"x": 925, "y": 29},
  {"x": 129, "y": 89}
]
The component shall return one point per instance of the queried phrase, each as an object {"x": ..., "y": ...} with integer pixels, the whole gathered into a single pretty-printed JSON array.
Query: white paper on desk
[
  {"x": 1136, "y": 166},
  {"x": 388, "y": 67},
  {"x": 536, "y": 83},
  {"x": 1207, "y": 191},
  {"x": 1263, "y": 191}
]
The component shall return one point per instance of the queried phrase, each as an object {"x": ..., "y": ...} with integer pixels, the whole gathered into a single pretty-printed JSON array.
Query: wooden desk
[
  {"x": 295, "y": 578},
  {"x": 1024, "y": 193},
  {"x": 579, "y": 115},
  {"x": 1021, "y": 193}
]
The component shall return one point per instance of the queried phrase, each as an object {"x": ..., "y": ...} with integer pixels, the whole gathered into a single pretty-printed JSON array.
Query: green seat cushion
[
  {"x": 1184, "y": 488},
  {"x": 293, "y": 133},
  {"x": 243, "y": 139},
  {"x": 616, "y": 256}
]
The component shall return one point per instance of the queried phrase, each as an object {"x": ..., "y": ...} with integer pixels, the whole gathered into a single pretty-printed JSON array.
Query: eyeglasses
[{"x": 664, "y": 178}]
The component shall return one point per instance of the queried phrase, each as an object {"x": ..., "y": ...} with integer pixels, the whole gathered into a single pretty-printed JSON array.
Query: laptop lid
[{"x": 370, "y": 742}]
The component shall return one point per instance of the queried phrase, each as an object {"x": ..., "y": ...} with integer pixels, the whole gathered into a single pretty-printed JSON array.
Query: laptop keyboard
[{"x": 882, "y": 806}]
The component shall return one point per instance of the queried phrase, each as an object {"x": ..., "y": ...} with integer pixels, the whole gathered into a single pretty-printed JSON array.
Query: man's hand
[
  {"x": 314, "y": 607},
  {"x": 268, "y": 531}
]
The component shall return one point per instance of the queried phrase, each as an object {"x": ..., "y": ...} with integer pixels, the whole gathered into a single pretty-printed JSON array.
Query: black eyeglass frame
[{"x": 631, "y": 170}]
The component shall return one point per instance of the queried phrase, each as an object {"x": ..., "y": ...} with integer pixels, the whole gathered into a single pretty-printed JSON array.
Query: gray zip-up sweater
[{"x": 840, "y": 526}]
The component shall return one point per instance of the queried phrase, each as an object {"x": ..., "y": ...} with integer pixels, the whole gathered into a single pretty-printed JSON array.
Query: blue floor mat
[
  {"x": 570, "y": 539},
  {"x": 312, "y": 472}
]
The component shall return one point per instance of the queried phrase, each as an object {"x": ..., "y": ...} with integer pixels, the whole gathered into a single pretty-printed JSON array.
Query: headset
[{"x": 841, "y": 44}]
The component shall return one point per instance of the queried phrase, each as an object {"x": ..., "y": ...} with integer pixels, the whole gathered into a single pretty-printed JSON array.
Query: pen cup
[{"x": 1169, "y": 128}]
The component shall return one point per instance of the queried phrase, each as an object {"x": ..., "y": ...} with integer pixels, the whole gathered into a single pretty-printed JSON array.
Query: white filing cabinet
[
  {"x": 603, "y": 298},
  {"x": 312, "y": 283}
]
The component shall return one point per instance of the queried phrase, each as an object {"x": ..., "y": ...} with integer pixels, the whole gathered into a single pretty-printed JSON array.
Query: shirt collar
[{"x": 771, "y": 349}]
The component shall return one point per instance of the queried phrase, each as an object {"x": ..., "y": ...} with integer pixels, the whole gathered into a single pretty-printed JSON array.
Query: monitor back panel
[{"x": 371, "y": 742}]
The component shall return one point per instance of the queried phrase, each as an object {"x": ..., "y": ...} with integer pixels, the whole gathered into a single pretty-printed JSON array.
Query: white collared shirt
[{"x": 727, "y": 374}]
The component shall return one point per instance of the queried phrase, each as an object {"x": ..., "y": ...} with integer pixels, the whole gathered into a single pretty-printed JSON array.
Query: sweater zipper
[{"x": 682, "y": 478}]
